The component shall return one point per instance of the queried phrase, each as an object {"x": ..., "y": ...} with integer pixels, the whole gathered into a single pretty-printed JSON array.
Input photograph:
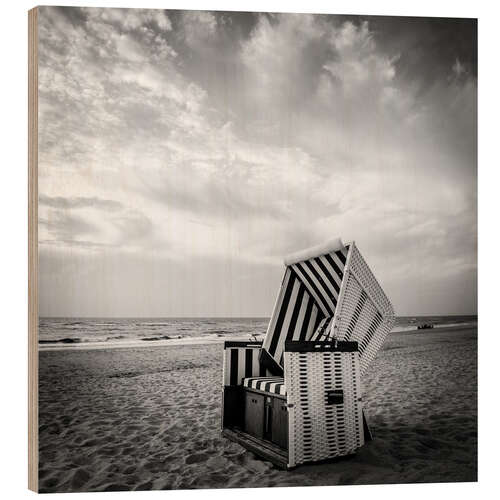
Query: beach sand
[{"x": 149, "y": 418}]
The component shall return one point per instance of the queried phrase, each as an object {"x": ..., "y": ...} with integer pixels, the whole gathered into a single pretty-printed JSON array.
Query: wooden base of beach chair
[
  {"x": 262, "y": 448},
  {"x": 247, "y": 427},
  {"x": 261, "y": 417},
  {"x": 258, "y": 422}
]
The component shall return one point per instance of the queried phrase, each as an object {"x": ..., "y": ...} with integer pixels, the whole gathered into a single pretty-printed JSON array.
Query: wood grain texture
[{"x": 33, "y": 249}]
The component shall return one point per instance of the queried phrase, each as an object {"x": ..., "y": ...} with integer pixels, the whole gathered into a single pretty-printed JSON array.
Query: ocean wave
[
  {"x": 78, "y": 340},
  {"x": 62, "y": 341}
]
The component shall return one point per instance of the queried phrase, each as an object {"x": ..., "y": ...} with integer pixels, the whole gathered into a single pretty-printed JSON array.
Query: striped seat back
[
  {"x": 305, "y": 305},
  {"x": 241, "y": 360}
]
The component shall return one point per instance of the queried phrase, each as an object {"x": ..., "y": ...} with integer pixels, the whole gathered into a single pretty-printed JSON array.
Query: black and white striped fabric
[
  {"x": 322, "y": 277},
  {"x": 271, "y": 385},
  {"x": 322, "y": 333},
  {"x": 305, "y": 305},
  {"x": 295, "y": 317},
  {"x": 241, "y": 362}
]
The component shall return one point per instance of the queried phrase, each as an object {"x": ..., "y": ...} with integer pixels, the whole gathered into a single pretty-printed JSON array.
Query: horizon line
[{"x": 223, "y": 317}]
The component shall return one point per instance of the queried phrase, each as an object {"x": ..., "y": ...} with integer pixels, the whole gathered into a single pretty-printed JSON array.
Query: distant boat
[{"x": 425, "y": 326}]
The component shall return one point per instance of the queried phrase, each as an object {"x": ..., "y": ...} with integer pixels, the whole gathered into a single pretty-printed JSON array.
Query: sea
[{"x": 102, "y": 333}]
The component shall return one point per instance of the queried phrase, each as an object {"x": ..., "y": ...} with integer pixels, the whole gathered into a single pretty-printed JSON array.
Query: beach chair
[{"x": 297, "y": 396}]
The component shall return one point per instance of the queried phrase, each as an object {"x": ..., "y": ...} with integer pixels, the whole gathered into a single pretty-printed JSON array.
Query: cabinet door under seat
[
  {"x": 254, "y": 414},
  {"x": 280, "y": 423}
]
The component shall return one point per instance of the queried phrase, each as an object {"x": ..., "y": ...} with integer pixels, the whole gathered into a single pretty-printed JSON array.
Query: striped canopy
[{"x": 306, "y": 301}]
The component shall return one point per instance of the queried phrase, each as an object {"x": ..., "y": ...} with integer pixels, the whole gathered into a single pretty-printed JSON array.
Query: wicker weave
[
  {"x": 318, "y": 430},
  {"x": 364, "y": 313}
]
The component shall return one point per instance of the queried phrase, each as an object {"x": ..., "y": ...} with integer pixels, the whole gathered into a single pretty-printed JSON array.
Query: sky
[{"x": 183, "y": 154}]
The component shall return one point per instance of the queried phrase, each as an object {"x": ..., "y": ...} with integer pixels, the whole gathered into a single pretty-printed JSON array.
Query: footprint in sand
[
  {"x": 218, "y": 462},
  {"x": 79, "y": 479},
  {"x": 91, "y": 442},
  {"x": 116, "y": 487},
  {"x": 196, "y": 458}
]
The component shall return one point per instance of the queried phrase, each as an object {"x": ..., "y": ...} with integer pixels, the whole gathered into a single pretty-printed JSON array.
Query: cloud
[
  {"x": 241, "y": 137},
  {"x": 357, "y": 63},
  {"x": 129, "y": 19},
  {"x": 198, "y": 27},
  {"x": 78, "y": 244},
  {"x": 79, "y": 202},
  {"x": 93, "y": 223},
  {"x": 65, "y": 226},
  {"x": 133, "y": 227},
  {"x": 458, "y": 68}
]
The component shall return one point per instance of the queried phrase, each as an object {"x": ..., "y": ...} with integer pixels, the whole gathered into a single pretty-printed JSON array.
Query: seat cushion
[{"x": 271, "y": 385}]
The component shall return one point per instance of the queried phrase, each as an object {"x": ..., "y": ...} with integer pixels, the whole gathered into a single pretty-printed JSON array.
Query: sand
[{"x": 149, "y": 418}]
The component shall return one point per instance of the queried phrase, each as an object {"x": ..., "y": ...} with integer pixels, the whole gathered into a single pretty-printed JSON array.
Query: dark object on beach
[
  {"x": 61, "y": 341},
  {"x": 296, "y": 397},
  {"x": 425, "y": 326},
  {"x": 163, "y": 337}
]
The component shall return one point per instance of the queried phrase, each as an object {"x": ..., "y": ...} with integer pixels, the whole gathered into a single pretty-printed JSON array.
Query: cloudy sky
[{"x": 182, "y": 154}]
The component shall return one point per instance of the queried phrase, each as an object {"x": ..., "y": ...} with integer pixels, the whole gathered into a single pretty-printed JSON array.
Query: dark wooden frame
[{"x": 233, "y": 423}]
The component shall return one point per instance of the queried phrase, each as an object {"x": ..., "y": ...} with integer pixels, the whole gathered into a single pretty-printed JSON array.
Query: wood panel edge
[{"x": 33, "y": 249}]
